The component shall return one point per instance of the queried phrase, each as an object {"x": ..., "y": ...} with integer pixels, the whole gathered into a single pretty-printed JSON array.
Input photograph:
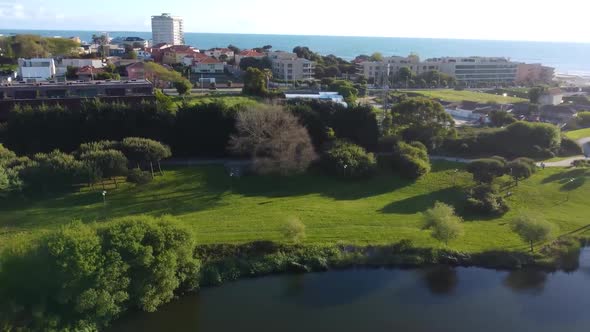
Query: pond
[{"x": 438, "y": 298}]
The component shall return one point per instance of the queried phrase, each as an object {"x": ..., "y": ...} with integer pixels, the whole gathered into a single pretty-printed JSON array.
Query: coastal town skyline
[{"x": 391, "y": 20}]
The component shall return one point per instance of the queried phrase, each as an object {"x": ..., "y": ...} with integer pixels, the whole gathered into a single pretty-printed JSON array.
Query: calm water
[
  {"x": 569, "y": 58},
  {"x": 431, "y": 299}
]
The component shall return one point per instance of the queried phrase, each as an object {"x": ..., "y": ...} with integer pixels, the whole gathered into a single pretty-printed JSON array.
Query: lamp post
[
  {"x": 231, "y": 181},
  {"x": 104, "y": 197},
  {"x": 345, "y": 167},
  {"x": 455, "y": 172},
  {"x": 568, "y": 192}
]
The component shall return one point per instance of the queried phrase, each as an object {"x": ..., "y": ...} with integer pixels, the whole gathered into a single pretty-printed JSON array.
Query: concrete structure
[
  {"x": 328, "y": 96},
  {"x": 553, "y": 97},
  {"x": 248, "y": 54},
  {"x": 557, "y": 114},
  {"x": 49, "y": 90},
  {"x": 37, "y": 69},
  {"x": 167, "y": 29},
  {"x": 287, "y": 66},
  {"x": 534, "y": 73},
  {"x": 208, "y": 66},
  {"x": 218, "y": 52}
]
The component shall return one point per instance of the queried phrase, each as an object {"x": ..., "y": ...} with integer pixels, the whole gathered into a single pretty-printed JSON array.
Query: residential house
[
  {"x": 136, "y": 71},
  {"x": 37, "y": 69},
  {"x": 157, "y": 51},
  {"x": 62, "y": 67},
  {"x": 553, "y": 96},
  {"x": 248, "y": 54},
  {"x": 208, "y": 66},
  {"x": 144, "y": 55},
  {"x": 176, "y": 53},
  {"x": 88, "y": 73},
  {"x": 287, "y": 66},
  {"x": 327, "y": 96},
  {"x": 217, "y": 53}
]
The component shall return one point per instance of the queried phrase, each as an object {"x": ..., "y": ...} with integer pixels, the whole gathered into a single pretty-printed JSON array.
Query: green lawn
[
  {"x": 458, "y": 96},
  {"x": 382, "y": 210},
  {"x": 578, "y": 134}
]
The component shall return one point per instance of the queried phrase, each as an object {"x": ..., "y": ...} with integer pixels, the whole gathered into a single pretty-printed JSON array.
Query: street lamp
[
  {"x": 345, "y": 167},
  {"x": 455, "y": 172},
  {"x": 231, "y": 181},
  {"x": 104, "y": 197},
  {"x": 568, "y": 192}
]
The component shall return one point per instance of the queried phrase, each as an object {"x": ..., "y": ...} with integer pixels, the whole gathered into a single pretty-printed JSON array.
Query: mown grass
[
  {"x": 578, "y": 134},
  {"x": 382, "y": 210},
  {"x": 464, "y": 95}
]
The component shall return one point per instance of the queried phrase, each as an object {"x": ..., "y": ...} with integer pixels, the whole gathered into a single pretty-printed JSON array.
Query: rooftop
[{"x": 56, "y": 84}]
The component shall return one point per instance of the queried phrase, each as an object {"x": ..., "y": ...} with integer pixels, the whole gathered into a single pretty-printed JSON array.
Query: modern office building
[
  {"x": 36, "y": 69},
  {"x": 167, "y": 29}
]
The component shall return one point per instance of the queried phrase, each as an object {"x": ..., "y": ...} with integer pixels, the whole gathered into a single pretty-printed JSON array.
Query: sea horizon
[{"x": 569, "y": 58}]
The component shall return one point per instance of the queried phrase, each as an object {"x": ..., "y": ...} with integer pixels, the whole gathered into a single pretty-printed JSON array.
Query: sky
[{"x": 534, "y": 20}]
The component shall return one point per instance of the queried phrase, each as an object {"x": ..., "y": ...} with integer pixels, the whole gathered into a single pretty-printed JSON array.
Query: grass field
[
  {"x": 458, "y": 96},
  {"x": 382, "y": 210},
  {"x": 578, "y": 134}
]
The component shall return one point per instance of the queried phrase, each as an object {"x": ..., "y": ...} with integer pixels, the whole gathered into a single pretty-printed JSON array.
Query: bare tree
[{"x": 274, "y": 139}]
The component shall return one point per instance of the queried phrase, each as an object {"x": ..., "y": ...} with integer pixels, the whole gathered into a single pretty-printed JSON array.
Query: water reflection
[
  {"x": 440, "y": 279},
  {"x": 528, "y": 281}
]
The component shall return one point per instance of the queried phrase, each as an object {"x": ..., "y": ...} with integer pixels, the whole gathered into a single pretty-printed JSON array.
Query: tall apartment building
[
  {"x": 167, "y": 29},
  {"x": 287, "y": 66}
]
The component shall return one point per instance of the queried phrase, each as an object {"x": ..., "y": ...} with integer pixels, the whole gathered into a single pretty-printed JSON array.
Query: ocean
[{"x": 567, "y": 58}]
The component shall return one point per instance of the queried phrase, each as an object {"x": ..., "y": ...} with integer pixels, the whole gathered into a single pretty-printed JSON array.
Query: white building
[
  {"x": 62, "y": 67},
  {"x": 218, "y": 52},
  {"x": 208, "y": 66},
  {"x": 287, "y": 66},
  {"x": 167, "y": 29},
  {"x": 37, "y": 69},
  {"x": 551, "y": 97},
  {"x": 328, "y": 96}
]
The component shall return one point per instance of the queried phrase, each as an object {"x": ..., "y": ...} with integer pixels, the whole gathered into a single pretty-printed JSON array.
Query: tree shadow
[
  {"x": 526, "y": 281},
  {"x": 412, "y": 205},
  {"x": 440, "y": 279},
  {"x": 564, "y": 177},
  {"x": 337, "y": 188}
]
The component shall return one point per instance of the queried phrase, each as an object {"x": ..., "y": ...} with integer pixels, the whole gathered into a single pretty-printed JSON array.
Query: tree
[
  {"x": 130, "y": 55},
  {"x": 536, "y": 93},
  {"x": 486, "y": 199},
  {"x": 139, "y": 149},
  {"x": 183, "y": 87},
  {"x": 411, "y": 160},
  {"x": 106, "y": 164},
  {"x": 486, "y": 170},
  {"x": 349, "y": 160},
  {"x": 72, "y": 72},
  {"x": 294, "y": 230},
  {"x": 443, "y": 221},
  {"x": 263, "y": 63},
  {"x": 521, "y": 168},
  {"x": 274, "y": 139},
  {"x": 346, "y": 89},
  {"x": 532, "y": 228},
  {"x": 501, "y": 118},
  {"x": 255, "y": 81},
  {"x": 235, "y": 49},
  {"x": 376, "y": 57},
  {"x": 423, "y": 120}
]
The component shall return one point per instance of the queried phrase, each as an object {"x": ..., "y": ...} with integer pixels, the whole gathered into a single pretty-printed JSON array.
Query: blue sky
[{"x": 545, "y": 20}]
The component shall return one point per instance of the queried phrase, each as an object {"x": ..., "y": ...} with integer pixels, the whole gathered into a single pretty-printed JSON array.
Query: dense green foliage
[
  {"x": 81, "y": 277},
  {"x": 520, "y": 139},
  {"x": 348, "y": 160},
  {"x": 137, "y": 176},
  {"x": 34, "y": 46},
  {"x": 485, "y": 199},
  {"x": 501, "y": 118},
  {"x": 255, "y": 82},
  {"x": 357, "y": 124},
  {"x": 411, "y": 160},
  {"x": 423, "y": 120},
  {"x": 486, "y": 170},
  {"x": 261, "y": 64}
]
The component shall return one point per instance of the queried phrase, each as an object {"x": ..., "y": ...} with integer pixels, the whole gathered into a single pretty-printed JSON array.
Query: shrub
[
  {"x": 445, "y": 225},
  {"x": 139, "y": 177},
  {"x": 411, "y": 160},
  {"x": 485, "y": 199},
  {"x": 569, "y": 147},
  {"x": 486, "y": 170},
  {"x": 348, "y": 160},
  {"x": 581, "y": 163},
  {"x": 294, "y": 230},
  {"x": 521, "y": 168}
]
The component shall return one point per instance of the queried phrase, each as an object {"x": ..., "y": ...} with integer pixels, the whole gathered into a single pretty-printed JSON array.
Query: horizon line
[{"x": 320, "y": 35}]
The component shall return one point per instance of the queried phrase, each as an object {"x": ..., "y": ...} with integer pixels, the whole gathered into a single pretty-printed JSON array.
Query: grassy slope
[
  {"x": 578, "y": 134},
  {"x": 458, "y": 96},
  {"x": 228, "y": 101},
  {"x": 382, "y": 210}
]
